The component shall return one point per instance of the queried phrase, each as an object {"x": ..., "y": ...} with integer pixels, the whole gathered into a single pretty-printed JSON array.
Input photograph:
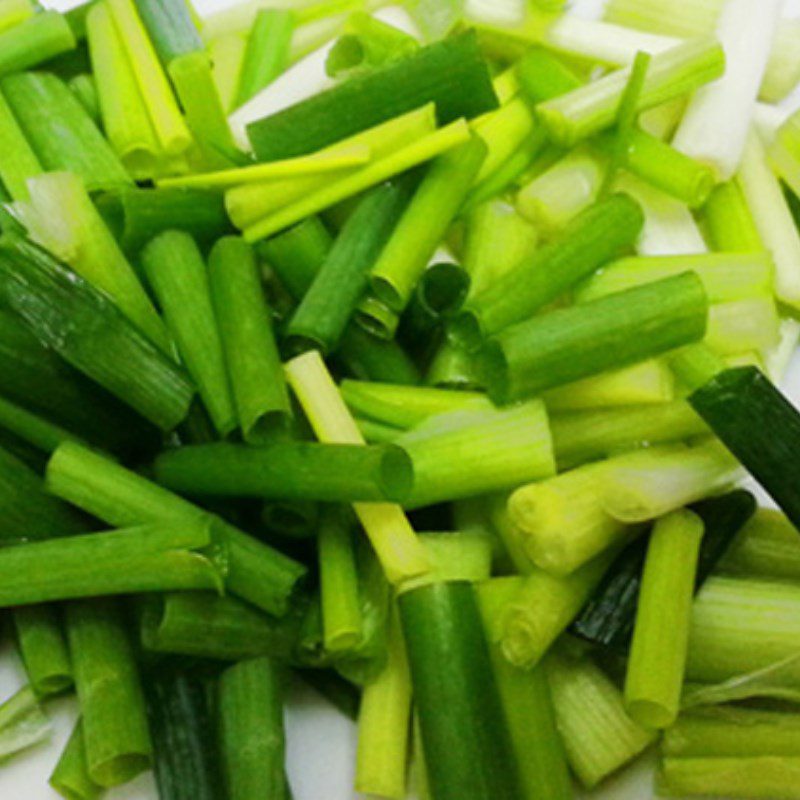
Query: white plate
[{"x": 321, "y": 743}]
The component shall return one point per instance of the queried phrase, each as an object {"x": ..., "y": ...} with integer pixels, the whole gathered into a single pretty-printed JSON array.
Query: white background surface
[{"x": 321, "y": 743}]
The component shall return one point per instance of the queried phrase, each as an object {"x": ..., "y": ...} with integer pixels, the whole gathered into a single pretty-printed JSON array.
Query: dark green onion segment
[
  {"x": 289, "y": 471},
  {"x": 468, "y": 753}
]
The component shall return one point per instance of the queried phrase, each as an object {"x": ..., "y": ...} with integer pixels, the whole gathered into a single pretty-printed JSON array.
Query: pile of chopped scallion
[{"x": 434, "y": 389}]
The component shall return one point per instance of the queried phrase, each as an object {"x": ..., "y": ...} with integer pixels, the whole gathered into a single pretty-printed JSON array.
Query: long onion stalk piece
[
  {"x": 82, "y": 325},
  {"x": 110, "y": 492},
  {"x": 118, "y": 745},
  {"x": 20, "y": 162},
  {"x": 399, "y": 550},
  {"x": 572, "y": 343},
  {"x": 442, "y": 625},
  {"x": 70, "y": 778},
  {"x": 245, "y": 328},
  {"x": 452, "y": 73},
  {"x": 43, "y": 648},
  {"x": 266, "y": 54},
  {"x": 23, "y": 722},
  {"x": 36, "y": 40},
  {"x": 250, "y": 703}
]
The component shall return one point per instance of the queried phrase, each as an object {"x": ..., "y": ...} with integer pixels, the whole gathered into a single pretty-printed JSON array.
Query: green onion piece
[
  {"x": 401, "y": 406},
  {"x": 208, "y": 625},
  {"x": 528, "y": 707},
  {"x": 320, "y": 319},
  {"x": 583, "y": 436},
  {"x": 560, "y": 193},
  {"x": 251, "y": 354},
  {"x": 227, "y": 54},
  {"x": 384, "y": 719},
  {"x": 181, "y": 710},
  {"x": 124, "y": 116},
  {"x": 750, "y": 777},
  {"x": 597, "y": 743},
  {"x": 19, "y": 162},
  {"x": 767, "y": 547},
  {"x": 97, "y": 256},
  {"x": 255, "y": 572},
  {"x": 594, "y": 237},
  {"x": 339, "y": 593},
  {"x": 170, "y": 128},
  {"x": 436, "y": 202},
  {"x": 477, "y": 451},
  {"x": 560, "y": 523},
  {"x": 382, "y": 169},
  {"x": 442, "y": 625},
  {"x": 23, "y": 723},
  {"x": 267, "y": 52},
  {"x": 59, "y": 130},
  {"x": 377, "y": 319},
  {"x": 70, "y": 778},
  {"x": 177, "y": 274},
  {"x": 138, "y": 215},
  {"x": 89, "y": 332},
  {"x": 369, "y": 358},
  {"x": 367, "y": 44},
  {"x": 544, "y": 607},
  {"x": 400, "y": 552},
  {"x": 740, "y": 625},
  {"x": 250, "y": 707},
  {"x": 497, "y": 239},
  {"x": 773, "y": 219},
  {"x": 34, "y": 41},
  {"x": 726, "y": 276},
  {"x": 43, "y": 649},
  {"x": 728, "y": 222},
  {"x": 609, "y": 616},
  {"x": 730, "y": 732},
  {"x": 668, "y": 169},
  {"x": 750, "y": 325},
  {"x": 170, "y": 27},
  {"x": 572, "y": 343},
  {"x": 202, "y": 106},
  {"x": 672, "y": 73},
  {"x": 112, "y": 706},
  {"x": 739, "y": 403},
  {"x": 459, "y": 555},
  {"x": 650, "y": 483},
  {"x": 148, "y": 558},
  {"x": 647, "y": 383},
  {"x": 451, "y": 73},
  {"x": 289, "y": 471},
  {"x": 248, "y": 203},
  {"x": 661, "y": 634}
]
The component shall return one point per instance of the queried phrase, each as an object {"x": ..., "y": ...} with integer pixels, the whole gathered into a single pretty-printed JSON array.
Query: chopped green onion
[
  {"x": 35, "y": 40},
  {"x": 728, "y": 221},
  {"x": 170, "y": 27},
  {"x": 743, "y": 326},
  {"x": 19, "y": 162},
  {"x": 544, "y": 607},
  {"x": 594, "y": 237},
  {"x": 672, "y": 73},
  {"x": 227, "y": 55},
  {"x": 32, "y": 428},
  {"x": 598, "y": 735},
  {"x": 23, "y": 723},
  {"x": 177, "y": 274},
  {"x": 250, "y": 707},
  {"x": 43, "y": 649},
  {"x": 661, "y": 634},
  {"x": 289, "y": 471},
  {"x": 59, "y": 130},
  {"x": 442, "y": 626},
  {"x": 424, "y": 223},
  {"x": 112, "y": 705},
  {"x": 83, "y": 86},
  {"x": 478, "y": 450},
  {"x": 325, "y": 310},
  {"x": 451, "y": 73},
  {"x": 251, "y": 354},
  {"x": 383, "y": 723},
  {"x": 567, "y": 344},
  {"x": 70, "y": 777},
  {"x": 561, "y": 524},
  {"x": 768, "y": 546},
  {"x": 400, "y": 552},
  {"x": 81, "y": 324},
  {"x": 13, "y": 12},
  {"x": 266, "y": 54},
  {"x": 256, "y": 572}
]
